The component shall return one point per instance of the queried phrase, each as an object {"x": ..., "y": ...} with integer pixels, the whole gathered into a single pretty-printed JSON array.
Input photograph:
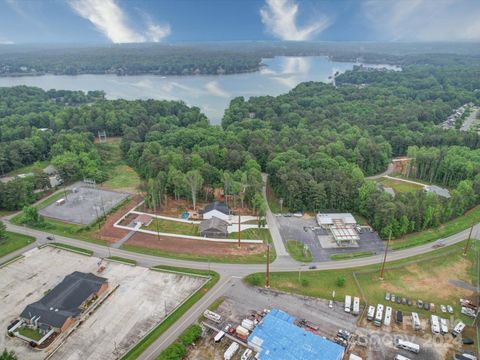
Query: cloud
[
  {"x": 280, "y": 19},
  {"x": 425, "y": 20},
  {"x": 109, "y": 19},
  {"x": 4, "y": 41},
  {"x": 215, "y": 89}
]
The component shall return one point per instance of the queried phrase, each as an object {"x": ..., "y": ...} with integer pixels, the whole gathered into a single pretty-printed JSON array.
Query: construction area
[
  {"x": 139, "y": 299},
  {"x": 83, "y": 205}
]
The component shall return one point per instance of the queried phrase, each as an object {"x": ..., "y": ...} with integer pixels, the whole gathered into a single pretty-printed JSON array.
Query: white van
[{"x": 407, "y": 345}]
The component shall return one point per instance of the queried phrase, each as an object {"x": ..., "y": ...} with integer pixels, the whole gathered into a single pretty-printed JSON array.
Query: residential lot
[
  {"x": 294, "y": 228},
  {"x": 84, "y": 206},
  {"x": 142, "y": 300}
]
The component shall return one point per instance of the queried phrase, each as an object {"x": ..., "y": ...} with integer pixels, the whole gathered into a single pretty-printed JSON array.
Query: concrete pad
[{"x": 142, "y": 300}]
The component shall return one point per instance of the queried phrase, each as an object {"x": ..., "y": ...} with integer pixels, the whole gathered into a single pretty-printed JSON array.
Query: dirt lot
[
  {"x": 108, "y": 232},
  {"x": 142, "y": 300},
  {"x": 198, "y": 247}
]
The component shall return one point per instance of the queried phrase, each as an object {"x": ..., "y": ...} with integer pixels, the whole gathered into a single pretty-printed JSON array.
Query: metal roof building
[{"x": 276, "y": 337}]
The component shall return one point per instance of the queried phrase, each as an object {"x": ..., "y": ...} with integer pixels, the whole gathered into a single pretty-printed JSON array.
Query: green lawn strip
[
  {"x": 143, "y": 344},
  {"x": 30, "y": 333},
  {"x": 14, "y": 242},
  {"x": 233, "y": 259},
  {"x": 122, "y": 260},
  {"x": 252, "y": 234},
  {"x": 352, "y": 255},
  {"x": 72, "y": 248},
  {"x": 36, "y": 166},
  {"x": 173, "y": 227},
  {"x": 449, "y": 228},
  {"x": 296, "y": 250},
  {"x": 400, "y": 186},
  {"x": 321, "y": 283}
]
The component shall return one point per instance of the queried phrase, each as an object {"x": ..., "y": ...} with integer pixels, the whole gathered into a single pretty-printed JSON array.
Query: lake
[{"x": 211, "y": 93}]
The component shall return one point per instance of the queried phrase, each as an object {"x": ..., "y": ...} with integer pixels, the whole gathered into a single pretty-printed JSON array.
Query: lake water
[{"x": 211, "y": 93}]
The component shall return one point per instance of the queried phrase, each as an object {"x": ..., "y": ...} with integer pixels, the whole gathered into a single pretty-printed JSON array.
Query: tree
[
  {"x": 3, "y": 231},
  {"x": 30, "y": 216},
  {"x": 340, "y": 281},
  {"x": 8, "y": 355},
  {"x": 195, "y": 182}
]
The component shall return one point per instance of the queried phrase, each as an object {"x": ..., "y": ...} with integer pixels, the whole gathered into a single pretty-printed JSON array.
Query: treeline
[
  {"x": 444, "y": 165},
  {"x": 414, "y": 211},
  {"x": 19, "y": 192}
]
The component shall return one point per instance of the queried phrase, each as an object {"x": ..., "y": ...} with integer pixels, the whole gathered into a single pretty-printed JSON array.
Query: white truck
[
  {"x": 246, "y": 354},
  {"x": 371, "y": 313},
  {"x": 416, "y": 322},
  {"x": 458, "y": 329},
  {"x": 435, "y": 324},
  {"x": 407, "y": 345},
  {"x": 219, "y": 336},
  {"x": 444, "y": 326},
  {"x": 378, "y": 315},
  {"x": 348, "y": 303},
  {"x": 232, "y": 349},
  {"x": 356, "y": 306},
  {"x": 388, "y": 316}
]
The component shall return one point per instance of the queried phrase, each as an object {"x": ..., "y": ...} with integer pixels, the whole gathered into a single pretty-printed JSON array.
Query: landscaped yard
[
  {"x": 14, "y": 242},
  {"x": 438, "y": 277},
  {"x": 173, "y": 227},
  {"x": 297, "y": 250},
  {"x": 399, "y": 186},
  {"x": 30, "y": 333}
]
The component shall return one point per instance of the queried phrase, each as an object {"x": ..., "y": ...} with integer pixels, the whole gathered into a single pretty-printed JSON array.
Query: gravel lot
[
  {"x": 84, "y": 206},
  {"x": 142, "y": 300}
]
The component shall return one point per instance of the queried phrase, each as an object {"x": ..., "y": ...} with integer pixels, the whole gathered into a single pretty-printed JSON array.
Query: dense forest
[
  {"x": 317, "y": 143},
  {"x": 216, "y": 58}
]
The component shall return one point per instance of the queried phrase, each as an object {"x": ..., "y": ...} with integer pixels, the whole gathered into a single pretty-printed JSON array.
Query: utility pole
[
  {"x": 156, "y": 220},
  {"x": 468, "y": 240},
  {"x": 385, "y": 256},
  {"x": 267, "y": 278},
  {"x": 238, "y": 230}
]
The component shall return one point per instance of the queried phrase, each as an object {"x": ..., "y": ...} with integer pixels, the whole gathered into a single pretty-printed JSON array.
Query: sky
[{"x": 173, "y": 21}]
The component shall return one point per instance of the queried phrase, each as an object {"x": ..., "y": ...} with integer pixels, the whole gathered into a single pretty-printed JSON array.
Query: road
[
  {"x": 470, "y": 120},
  {"x": 228, "y": 272}
]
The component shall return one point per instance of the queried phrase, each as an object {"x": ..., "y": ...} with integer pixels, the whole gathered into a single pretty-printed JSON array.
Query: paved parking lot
[
  {"x": 142, "y": 300},
  {"x": 294, "y": 228},
  {"x": 84, "y": 206}
]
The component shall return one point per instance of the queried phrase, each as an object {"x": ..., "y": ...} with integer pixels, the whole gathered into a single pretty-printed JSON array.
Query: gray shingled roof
[
  {"x": 214, "y": 223},
  {"x": 222, "y": 207},
  {"x": 64, "y": 299}
]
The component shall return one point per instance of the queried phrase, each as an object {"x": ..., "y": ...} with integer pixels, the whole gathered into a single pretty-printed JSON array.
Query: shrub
[
  {"x": 254, "y": 279},
  {"x": 340, "y": 281},
  {"x": 176, "y": 351},
  {"x": 191, "y": 335},
  {"x": 305, "y": 282}
]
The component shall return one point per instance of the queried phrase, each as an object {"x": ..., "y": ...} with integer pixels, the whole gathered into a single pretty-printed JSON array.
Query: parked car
[
  {"x": 443, "y": 308},
  {"x": 426, "y": 306},
  {"x": 404, "y": 301},
  {"x": 432, "y": 307},
  {"x": 387, "y": 296},
  {"x": 312, "y": 267},
  {"x": 227, "y": 327},
  {"x": 344, "y": 334},
  {"x": 450, "y": 309},
  {"x": 393, "y": 298},
  {"x": 399, "y": 300},
  {"x": 330, "y": 304},
  {"x": 50, "y": 238},
  {"x": 467, "y": 341},
  {"x": 409, "y": 302},
  {"x": 420, "y": 304}
]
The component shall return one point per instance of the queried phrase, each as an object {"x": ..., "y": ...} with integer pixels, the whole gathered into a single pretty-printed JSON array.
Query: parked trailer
[
  {"x": 248, "y": 324},
  {"x": 348, "y": 303},
  {"x": 241, "y": 332},
  {"x": 356, "y": 306},
  {"x": 444, "y": 326},
  {"x": 378, "y": 315},
  {"x": 212, "y": 316},
  {"x": 407, "y": 345},
  {"x": 435, "y": 324},
  {"x": 232, "y": 349},
  {"x": 399, "y": 317},
  {"x": 246, "y": 354},
  {"x": 388, "y": 316},
  {"x": 371, "y": 313},
  {"x": 400, "y": 357},
  {"x": 416, "y": 322},
  {"x": 458, "y": 329},
  {"x": 219, "y": 336}
]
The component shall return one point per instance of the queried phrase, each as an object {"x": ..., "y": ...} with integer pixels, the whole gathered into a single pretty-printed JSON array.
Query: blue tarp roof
[{"x": 279, "y": 339}]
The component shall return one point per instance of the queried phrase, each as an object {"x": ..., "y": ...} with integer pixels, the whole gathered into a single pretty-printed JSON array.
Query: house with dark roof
[
  {"x": 59, "y": 308},
  {"x": 214, "y": 228},
  {"x": 218, "y": 210}
]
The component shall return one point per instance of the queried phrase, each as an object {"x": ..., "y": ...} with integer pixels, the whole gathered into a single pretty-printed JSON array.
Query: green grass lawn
[
  {"x": 428, "y": 279},
  {"x": 14, "y": 242},
  {"x": 122, "y": 259},
  {"x": 296, "y": 251},
  {"x": 173, "y": 227},
  {"x": 35, "y": 167},
  {"x": 30, "y": 333},
  {"x": 72, "y": 248},
  {"x": 122, "y": 177},
  {"x": 143, "y": 344},
  {"x": 352, "y": 255},
  {"x": 252, "y": 234},
  {"x": 449, "y": 228},
  {"x": 400, "y": 186}
]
